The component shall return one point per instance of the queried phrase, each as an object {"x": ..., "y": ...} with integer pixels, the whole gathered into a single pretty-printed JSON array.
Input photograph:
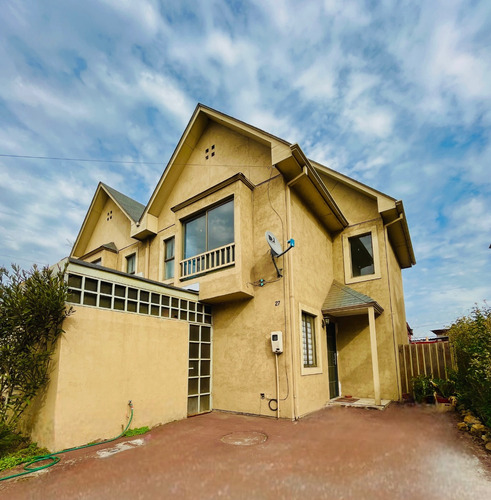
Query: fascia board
[
  {"x": 302, "y": 160},
  {"x": 88, "y": 216}
]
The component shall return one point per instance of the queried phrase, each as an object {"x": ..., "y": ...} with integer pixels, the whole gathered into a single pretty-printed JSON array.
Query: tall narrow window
[
  {"x": 131, "y": 263},
  {"x": 308, "y": 339},
  {"x": 361, "y": 255},
  {"x": 211, "y": 229},
  {"x": 169, "y": 257}
]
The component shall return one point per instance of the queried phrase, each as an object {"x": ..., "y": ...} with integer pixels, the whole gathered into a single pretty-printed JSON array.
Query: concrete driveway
[{"x": 338, "y": 453}]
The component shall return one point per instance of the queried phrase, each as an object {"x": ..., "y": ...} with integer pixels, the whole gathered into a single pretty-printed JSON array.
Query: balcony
[{"x": 215, "y": 259}]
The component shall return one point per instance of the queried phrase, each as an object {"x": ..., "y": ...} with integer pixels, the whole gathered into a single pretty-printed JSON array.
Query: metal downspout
[
  {"x": 293, "y": 344},
  {"x": 396, "y": 354}
]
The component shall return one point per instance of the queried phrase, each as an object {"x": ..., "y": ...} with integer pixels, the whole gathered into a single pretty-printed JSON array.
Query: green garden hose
[{"x": 54, "y": 458}]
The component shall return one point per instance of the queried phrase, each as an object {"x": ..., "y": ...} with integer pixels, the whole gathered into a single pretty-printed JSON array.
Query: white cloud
[{"x": 396, "y": 96}]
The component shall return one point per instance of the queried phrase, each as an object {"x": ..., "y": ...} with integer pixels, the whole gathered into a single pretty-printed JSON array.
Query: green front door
[{"x": 332, "y": 360}]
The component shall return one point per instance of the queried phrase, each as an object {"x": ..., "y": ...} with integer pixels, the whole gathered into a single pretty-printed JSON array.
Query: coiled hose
[{"x": 54, "y": 458}]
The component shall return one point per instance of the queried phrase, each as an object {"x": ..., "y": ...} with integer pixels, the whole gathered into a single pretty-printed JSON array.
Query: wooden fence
[{"x": 433, "y": 359}]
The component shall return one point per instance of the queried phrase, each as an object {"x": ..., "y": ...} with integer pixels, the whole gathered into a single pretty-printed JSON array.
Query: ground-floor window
[{"x": 308, "y": 339}]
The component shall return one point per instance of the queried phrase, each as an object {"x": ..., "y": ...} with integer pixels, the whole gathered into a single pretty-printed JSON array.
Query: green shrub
[
  {"x": 32, "y": 310},
  {"x": 422, "y": 387},
  {"x": 444, "y": 388},
  {"x": 16, "y": 449},
  {"x": 19, "y": 457},
  {"x": 471, "y": 338}
]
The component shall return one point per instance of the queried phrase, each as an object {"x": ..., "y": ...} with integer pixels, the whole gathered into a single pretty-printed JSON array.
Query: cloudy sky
[{"x": 394, "y": 94}]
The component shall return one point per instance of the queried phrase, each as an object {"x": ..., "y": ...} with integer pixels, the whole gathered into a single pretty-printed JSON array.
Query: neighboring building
[
  {"x": 176, "y": 300},
  {"x": 441, "y": 335}
]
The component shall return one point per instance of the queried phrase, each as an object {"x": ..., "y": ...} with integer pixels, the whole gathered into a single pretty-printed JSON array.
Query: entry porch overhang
[{"x": 345, "y": 301}]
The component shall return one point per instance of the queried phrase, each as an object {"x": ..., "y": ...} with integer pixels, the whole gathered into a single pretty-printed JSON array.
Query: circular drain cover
[{"x": 244, "y": 438}]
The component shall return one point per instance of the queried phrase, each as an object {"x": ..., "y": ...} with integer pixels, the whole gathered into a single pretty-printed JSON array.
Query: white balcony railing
[{"x": 208, "y": 261}]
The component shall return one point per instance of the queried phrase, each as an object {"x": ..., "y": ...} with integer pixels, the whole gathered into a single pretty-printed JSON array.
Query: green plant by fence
[{"x": 433, "y": 359}]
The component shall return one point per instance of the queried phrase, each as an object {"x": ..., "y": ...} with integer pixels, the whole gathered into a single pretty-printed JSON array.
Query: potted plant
[{"x": 444, "y": 391}]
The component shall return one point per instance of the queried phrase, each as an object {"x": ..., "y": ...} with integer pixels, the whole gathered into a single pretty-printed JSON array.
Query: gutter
[{"x": 314, "y": 177}]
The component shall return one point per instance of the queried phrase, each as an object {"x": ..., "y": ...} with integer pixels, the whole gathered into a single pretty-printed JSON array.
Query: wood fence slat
[{"x": 432, "y": 359}]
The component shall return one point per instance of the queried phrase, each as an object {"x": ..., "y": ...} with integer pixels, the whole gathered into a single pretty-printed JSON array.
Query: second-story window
[
  {"x": 169, "y": 258},
  {"x": 209, "y": 230},
  {"x": 131, "y": 263},
  {"x": 361, "y": 250}
]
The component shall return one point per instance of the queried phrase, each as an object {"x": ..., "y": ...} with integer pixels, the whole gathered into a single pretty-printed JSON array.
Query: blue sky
[{"x": 394, "y": 94}]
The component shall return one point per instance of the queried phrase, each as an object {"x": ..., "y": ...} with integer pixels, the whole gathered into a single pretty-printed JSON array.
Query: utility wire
[
  {"x": 80, "y": 159},
  {"x": 131, "y": 162}
]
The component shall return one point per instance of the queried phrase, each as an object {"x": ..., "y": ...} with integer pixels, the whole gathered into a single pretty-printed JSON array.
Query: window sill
[
  {"x": 360, "y": 279},
  {"x": 314, "y": 370}
]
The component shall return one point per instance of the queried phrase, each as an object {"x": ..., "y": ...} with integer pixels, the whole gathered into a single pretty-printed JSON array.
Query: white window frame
[
  {"x": 311, "y": 370},
  {"x": 348, "y": 270}
]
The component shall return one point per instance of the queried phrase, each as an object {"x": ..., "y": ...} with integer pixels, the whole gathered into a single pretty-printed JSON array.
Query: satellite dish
[{"x": 273, "y": 243}]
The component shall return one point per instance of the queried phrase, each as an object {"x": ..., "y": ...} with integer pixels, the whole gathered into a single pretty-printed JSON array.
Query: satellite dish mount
[{"x": 276, "y": 250}]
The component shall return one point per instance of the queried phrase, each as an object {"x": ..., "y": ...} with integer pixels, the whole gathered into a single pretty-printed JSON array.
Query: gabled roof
[
  {"x": 199, "y": 120},
  {"x": 111, "y": 247},
  {"x": 391, "y": 210},
  {"x": 131, "y": 207},
  {"x": 343, "y": 300},
  {"x": 287, "y": 158}
]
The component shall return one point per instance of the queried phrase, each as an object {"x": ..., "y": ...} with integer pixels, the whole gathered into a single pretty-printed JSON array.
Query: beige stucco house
[{"x": 176, "y": 301}]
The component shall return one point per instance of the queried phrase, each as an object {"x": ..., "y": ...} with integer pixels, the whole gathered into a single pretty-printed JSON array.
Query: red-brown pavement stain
[{"x": 336, "y": 453}]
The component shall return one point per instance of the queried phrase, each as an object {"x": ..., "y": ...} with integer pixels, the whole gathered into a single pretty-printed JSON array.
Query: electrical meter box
[{"x": 277, "y": 342}]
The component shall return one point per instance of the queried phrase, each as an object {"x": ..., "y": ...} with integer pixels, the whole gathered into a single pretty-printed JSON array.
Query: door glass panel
[
  {"x": 193, "y": 385},
  {"x": 204, "y": 385},
  {"x": 204, "y": 403},
  {"x": 205, "y": 367},
  {"x": 193, "y": 405},
  {"x": 193, "y": 350},
  {"x": 195, "y": 237},
  {"x": 221, "y": 225},
  {"x": 194, "y": 333},
  {"x": 205, "y": 351},
  {"x": 193, "y": 368},
  {"x": 205, "y": 334},
  {"x": 199, "y": 373}
]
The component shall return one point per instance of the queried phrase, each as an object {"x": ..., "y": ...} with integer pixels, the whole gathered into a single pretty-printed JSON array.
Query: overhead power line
[{"x": 80, "y": 159}]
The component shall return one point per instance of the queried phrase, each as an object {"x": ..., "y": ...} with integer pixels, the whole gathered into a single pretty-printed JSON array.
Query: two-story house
[{"x": 176, "y": 301}]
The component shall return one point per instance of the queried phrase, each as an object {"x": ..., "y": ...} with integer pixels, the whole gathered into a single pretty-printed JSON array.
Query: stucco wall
[
  {"x": 116, "y": 229},
  {"x": 243, "y": 363},
  {"x": 312, "y": 277},
  {"x": 397, "y": 294},
  {"x": 106, "y": 358},
  {"x": 358, "y": 350}
]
